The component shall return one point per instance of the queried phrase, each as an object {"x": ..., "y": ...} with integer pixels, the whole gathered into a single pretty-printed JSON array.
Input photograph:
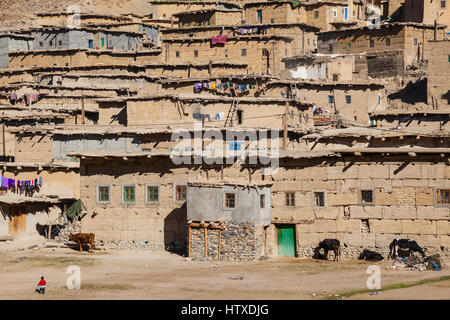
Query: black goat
[
  {"x": 327, "y": 245},
  {"x": 404, "y": 245},
  {"x": 370, "y": 256}
]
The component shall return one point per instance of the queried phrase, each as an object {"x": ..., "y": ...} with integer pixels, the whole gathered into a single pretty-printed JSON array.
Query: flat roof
[
  {"x": 387, "y": 25},
  {"x": 187, "y": 13}
]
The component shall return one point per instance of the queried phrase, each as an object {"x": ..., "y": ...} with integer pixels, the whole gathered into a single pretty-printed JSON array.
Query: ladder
[{"x": 229, "y": 120}]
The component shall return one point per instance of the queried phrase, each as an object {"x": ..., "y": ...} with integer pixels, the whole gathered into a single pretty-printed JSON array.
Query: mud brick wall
[
  {"x": 439, "y": 73},
  {"x": 405, "y": 205},
  {"x": 385, "y": 64},
  {"x": 238, "y": 242}
]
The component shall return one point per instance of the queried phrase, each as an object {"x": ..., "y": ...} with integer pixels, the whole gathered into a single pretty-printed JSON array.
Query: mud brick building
[
  {"x": 438, "y": 89},
  {"x": 389, "y": 50},
  {"x": 13, "y": 42},
  {"x": 86, "y": 38}
]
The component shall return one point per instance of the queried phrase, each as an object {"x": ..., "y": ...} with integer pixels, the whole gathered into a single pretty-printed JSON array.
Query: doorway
[
  {"x": 17, "y": 220},
  {"x": 286, "y": 240}
]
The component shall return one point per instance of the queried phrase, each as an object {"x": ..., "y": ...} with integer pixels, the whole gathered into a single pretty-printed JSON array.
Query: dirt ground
[{"x": 154, "y": 274}]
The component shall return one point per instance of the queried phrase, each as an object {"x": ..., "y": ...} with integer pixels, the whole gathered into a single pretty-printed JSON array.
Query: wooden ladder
[{"x": 229, "y": 120}]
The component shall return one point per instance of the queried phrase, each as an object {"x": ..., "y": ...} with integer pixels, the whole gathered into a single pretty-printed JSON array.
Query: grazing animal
[
  {"x": 81, "y": 238},
  {"x": 370, "y": 255},
  {"x": 327, "y": 245},
  {"x": 405, "y": 245}
]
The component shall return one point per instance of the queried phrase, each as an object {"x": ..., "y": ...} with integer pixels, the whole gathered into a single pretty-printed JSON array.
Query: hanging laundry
[
  {"x": 223, "y": 39},
  {"x": 13, "y": 96},
  {"x": 4, "y": 182},
  {"x": 213, "y": 85},
  {"x": 214, "y": 39},
  {"x": 219, "y": 116}
]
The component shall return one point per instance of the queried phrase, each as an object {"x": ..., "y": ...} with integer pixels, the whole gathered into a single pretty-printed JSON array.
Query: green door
[{"x": 286, "y": 241}]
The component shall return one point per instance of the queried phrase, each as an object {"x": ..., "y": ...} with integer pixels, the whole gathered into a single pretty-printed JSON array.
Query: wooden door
[
  {"x": 286, "y": 240},
  {"x": 17, "y": 220}
]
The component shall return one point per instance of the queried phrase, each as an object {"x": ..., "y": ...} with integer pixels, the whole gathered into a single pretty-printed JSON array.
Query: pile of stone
[
  {"x": 128, "y": 245},
  {"x": 61, "y": 232},
  {"x": 411, "y": 263}
]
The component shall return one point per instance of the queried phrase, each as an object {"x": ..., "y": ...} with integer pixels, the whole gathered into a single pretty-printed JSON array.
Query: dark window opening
[
  {"x": 290, "y": 199},
  {"x": 366, "y": 197},
  {"x": 319, "y": 199},
  {"x": 230, "y": 200}
]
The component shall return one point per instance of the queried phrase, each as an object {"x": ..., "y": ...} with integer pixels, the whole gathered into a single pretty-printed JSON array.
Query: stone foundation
[{"x": 238, "y": 242}]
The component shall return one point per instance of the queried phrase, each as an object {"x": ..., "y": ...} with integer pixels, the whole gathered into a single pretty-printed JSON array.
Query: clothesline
[
  {"x": 224, "y": 86},
  {"x": 20, "y": 184}
]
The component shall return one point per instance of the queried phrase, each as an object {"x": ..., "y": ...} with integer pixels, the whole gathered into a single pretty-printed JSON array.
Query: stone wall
[{"x": 238, "y": 242}]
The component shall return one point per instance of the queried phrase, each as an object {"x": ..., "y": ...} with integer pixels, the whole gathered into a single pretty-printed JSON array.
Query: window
[
  {"x": 335, "y": 77},
  {"x": 330, "y": 47},
  {"x": 152, "y": 194},
  {"x": 316, "y": 14},
  {"x": 348, "y": 99},
  {"x": 449, "y": 58},
  {"x": 90, "y": 44},
  {"x": 349, "y": 45},
  {"x": 335, "y": 13},
  {"x": 180, "y": 192},
  {"x": 388, "y": 41},
  {"x": 128, "y": 194},
  {"x": 371, "y": 43},
  {"x": 265, "y": 52},
  {"x": 177, "y": 54},
  {"x": 366, "y": 196},
  {"x": 272, "y": 20},
  {"x": 259, "y": 16},
  {"x": 262, "y": 201},
  {"x": 196, "y": 53},
  {"x": 240, "y": 115},
  {"x": 230, "y": 200},
  {"x": 319, "y": 199},
  {"x": 41, "y": 44},
  {"x": 59, "y": 43},
  {"x": 290, "y": 199},
  {"x": 103, "y": 193},
  {"x": 244, "y": 52},
  {"x": 443, "y": 197},
  {"x": 51, "y": 42},
  {"x": 330, "y": 99},
  {"x": 443, "y": 4}
]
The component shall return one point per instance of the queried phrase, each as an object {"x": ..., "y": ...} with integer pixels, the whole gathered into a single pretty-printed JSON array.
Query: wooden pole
[
  {"x": 206, "y": 243},
  {"x": 189, "y": 244},
  {"x": 50, "y": 230},
  {"x": 82, "y": 110},
  {"x": 4, "y": 141},
  {"x": 273, "y": 57},
  {"x": 220, "y": 242},
  {"x": 285, "y": 126}
]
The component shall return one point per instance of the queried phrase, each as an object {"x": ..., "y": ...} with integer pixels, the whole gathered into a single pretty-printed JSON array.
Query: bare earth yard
[{"x": 160, "y": 275}]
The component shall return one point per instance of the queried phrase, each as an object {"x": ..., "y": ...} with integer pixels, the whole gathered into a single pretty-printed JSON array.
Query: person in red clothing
[{"x": 41, "y": 286}]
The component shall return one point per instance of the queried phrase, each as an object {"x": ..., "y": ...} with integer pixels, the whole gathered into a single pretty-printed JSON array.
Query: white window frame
[
  {"x": 360, "y": 197},
  {"x": 325, "y": 199},
  {"x": 122, "y": 193},
  {"x": 147, "y": 200},
  {"x": 175, "y": 192}
]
